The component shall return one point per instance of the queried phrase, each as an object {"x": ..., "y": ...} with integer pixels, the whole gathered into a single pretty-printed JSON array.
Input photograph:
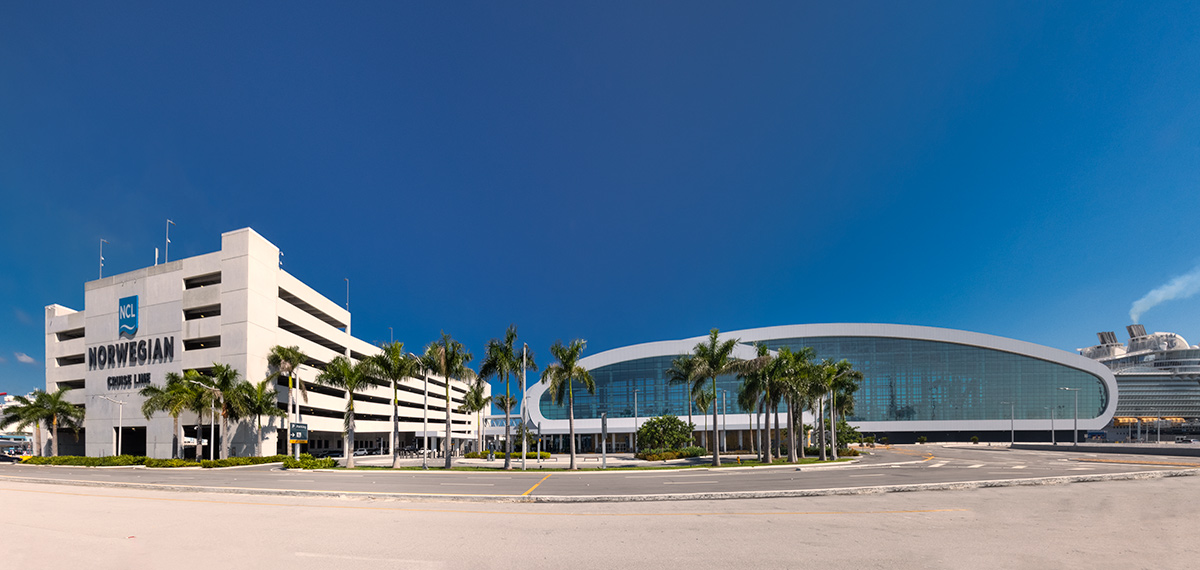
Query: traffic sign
[{"x": 298, "y": 433}]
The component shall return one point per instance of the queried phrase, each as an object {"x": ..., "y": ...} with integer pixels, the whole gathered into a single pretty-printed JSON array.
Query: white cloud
[
  {"x": 1180, "y": 287},
  {"x": 3, "y": 360},
  {"x": 22, "y": 357}
]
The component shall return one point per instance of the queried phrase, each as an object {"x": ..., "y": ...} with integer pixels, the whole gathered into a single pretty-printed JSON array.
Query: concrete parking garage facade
[{"x": 230, "y": 306}]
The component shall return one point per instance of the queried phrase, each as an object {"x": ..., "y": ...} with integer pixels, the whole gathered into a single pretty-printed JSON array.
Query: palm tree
[
  {"x": 285, "y": 360},
  {"x": 716, "y": 358},
  {"x": 55, "y": 411},
  {"x": 475, "y": 402},
  {"x": 24, "y": 413},
  {"x": 844, "y": 381},
  {"x": 449, "y": 359},
  {"x": 258, "y": 400},
  {"x": 223, "y": 383},
  {"x": 200, "y": 402},
  {"x": 682, "y": 371},
  {"x": 394, "y": 365},
  {"x": 506, "y": 403},
  {"x": 563, "y": 375},
  {"x": 758, "y": 382},
  {"x": 815, "y": 390},
  {"x": 502, "y": 359},
  {"x": 351, "y": 377},
  {"x": 788, "y": 375},
  {"x": 172, "y": 398}
]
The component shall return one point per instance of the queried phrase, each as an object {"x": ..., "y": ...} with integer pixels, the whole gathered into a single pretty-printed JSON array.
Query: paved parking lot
[{"x": 913, "y": 465}]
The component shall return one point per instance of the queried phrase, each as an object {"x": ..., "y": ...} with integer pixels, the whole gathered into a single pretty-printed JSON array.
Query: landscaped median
[{"x": 134, "y": 460}]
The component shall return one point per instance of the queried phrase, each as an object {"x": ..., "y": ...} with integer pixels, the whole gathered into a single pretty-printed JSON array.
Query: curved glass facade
[
  {"x": 903, "y": 380},
  {"x": 615, "y": 384},
  {"x": 925, "y": 380}
]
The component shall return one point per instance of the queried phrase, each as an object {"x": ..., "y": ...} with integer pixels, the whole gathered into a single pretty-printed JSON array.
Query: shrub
[
  {"x": 664, "y": 432},
  {"x": 165, "y": 463},
  {"x": 869, "y": 440},
  {"x": 883, "y": 440},
  {"x": 307, "y": 461},
  {"x": 112, "y": 461},
  {"x": 236, "y": 461},
  {"x": 668, "y": 454},
  {"x": 975, "y": 439},
  {"x": 500, "y": 455},
  {"x": 922, "y": 439}
]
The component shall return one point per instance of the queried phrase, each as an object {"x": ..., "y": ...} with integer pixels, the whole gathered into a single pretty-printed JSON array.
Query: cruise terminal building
[
  {"x": 945, "y": 384},
  {"x": 230, "y": 306}
]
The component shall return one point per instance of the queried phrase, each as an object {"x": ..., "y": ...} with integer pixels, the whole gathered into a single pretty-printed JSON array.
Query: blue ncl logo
[{"x": 127, "y": 316}]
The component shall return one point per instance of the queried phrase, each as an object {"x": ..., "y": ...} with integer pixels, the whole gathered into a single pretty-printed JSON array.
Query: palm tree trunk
[
  {"x": 507, "y": 428},
  {"x": 833, "y": 424},
  {"x": 37, "y": 439},
  {"x": 175, "y": 439},
  {"x": 226, "y": 442},
  {"x": 821, "y": 434},
  {"x": 791, "y": 419},
  {"x": 767, "y": 458},
  {"x": 54, "y": 442},
  {"x": 716, "y": 442},
  {"x": 571, "y": 423},
  {"x": 691, "y": 426}
]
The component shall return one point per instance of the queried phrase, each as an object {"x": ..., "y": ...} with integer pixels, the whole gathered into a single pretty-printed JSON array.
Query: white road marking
[
  {"x": 404, "y": 562},
  {"x": 939, "y": 464},
  {"x": 1082, "y": 469},
  {"x": 673, "y": 475},
  {"x": 468, "y": 484},
  {"x": 688, "y": 482},
  {"x": 976, "y": 466},
  {"x": 1020, "y": 466}
]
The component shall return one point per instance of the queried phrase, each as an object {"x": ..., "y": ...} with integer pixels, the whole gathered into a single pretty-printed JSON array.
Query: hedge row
[
  {"x": 236, "y": 461},
  {"x": 668, "y": 454},
  {"x": 307, "y": 461},
  {"x": 515, "y": 455},
  {"x": 112, "y": 461},
  {"x": 167, "y": 463},
  {"x": 126, "y": 460}
]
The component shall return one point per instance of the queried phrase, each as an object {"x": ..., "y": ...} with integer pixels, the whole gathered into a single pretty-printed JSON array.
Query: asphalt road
[
  {"x": 898, "y": 466},
  {"x": 1119, "y": 524}
]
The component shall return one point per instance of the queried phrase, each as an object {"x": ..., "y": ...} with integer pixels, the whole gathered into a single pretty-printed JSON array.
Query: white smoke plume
[{"x": 1180, "y": 287}]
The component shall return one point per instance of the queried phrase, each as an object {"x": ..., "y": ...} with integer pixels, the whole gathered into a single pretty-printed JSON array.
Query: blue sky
[{"x": 619, "y": 172}]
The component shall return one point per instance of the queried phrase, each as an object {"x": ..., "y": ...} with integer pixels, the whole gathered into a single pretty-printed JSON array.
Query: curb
[{"x": 427, "y": 497}]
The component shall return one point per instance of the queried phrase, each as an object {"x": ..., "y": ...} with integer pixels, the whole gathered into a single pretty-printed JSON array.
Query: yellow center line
[
  {"x": 535, "y": 485},
  {"x": 485, "y": 512}
]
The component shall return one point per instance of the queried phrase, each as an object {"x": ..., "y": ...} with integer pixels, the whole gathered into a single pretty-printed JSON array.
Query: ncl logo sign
[{"x": 127, "y": 313}]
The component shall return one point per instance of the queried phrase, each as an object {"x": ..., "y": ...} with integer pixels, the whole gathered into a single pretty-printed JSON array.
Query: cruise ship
[{"x": 1158, "y": 378}]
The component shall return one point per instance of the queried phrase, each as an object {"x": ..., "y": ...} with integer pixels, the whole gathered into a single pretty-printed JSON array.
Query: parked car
[{"x": 360, "y": 452}]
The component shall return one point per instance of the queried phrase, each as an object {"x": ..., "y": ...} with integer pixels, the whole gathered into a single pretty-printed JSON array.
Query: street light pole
[
  {"x": 524, "y": 427},
  {"x": 120, "y": 422},
  {"x": 1075, "y": 435},
  {"x": 212, "y": 424},
  {"x": 1013, "y": 410},
  {"x": 424, "y": 419}
]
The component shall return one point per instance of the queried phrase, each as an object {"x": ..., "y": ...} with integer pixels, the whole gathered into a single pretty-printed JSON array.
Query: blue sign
[{"x": 127, "y": 316}]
